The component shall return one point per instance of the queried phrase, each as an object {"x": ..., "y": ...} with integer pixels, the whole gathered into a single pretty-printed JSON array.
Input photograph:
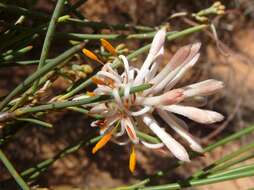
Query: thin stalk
[
  {"x": 147, "y": 137},
  {"x": 135, "y": 186},
  {"x": 102, "y": 25},
  {"x": 194, "y": 183},
  {"x": 16, "y": 54},
  {"x": 136, "y": 53},
  {"x": 230, "y": 156},
  {"x": 36, "y": 121},
  {"x": 60, "y": 105},
  {"x": 230, "y": 138},
  {"x": 84, "y": 111},
  {"x": 39, "y": 73},
  {"x": 13, "y": 172},
  {"x": 233, "y": 171},
  {"x": 49, "y": 37},
  {"x": 232, "y": 163}
]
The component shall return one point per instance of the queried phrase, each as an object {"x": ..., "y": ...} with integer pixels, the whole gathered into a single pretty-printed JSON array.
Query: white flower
[{"x": 120, "y": 113}]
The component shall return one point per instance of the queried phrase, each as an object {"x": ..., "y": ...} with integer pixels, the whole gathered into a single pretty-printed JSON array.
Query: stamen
[
  {"x": 132, "y": 160},
  {"x": 102, "y": 142},
  {"x": 133, "y": 136},
  {"x": 108, "y": 47},
  {"x": 91, "y": 55}
]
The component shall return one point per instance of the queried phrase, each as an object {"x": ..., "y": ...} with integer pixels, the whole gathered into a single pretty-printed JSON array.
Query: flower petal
[
  {"x": 157, "y": 43},
  {"x": 173, "y": 123},
  {"x": 181, "y": 57},
  {"x": 152, "y": 145},
  {"x": 176, "y": 148},
  {"x": 196, "y": 114},
  {"x": 168, "y": 98},
  {"x": 128, "y": 125},
  {"x": 204, "y": 88}
]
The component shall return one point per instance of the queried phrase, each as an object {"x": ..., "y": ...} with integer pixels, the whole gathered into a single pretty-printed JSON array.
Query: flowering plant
[{"x": 121, "y": 113}]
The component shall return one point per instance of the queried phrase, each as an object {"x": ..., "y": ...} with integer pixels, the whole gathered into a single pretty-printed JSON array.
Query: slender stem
[
  {"x": 232, "y": 163},
  {"x": 136, "y": 53},
  {"x": 36, "y": 121},
  {"x": 208, "y": 169},
  {"x": 59, "y": 105},
  {"x": 194, "y": 183},
  {"x": 13, "y": 172},
  {"x": 135, "y": 186},
  {"x": 15, "y": 54},
  {"x": 49, "y": 37},
  {"x": 233, "y": 171},
  {"x": 101, "y": 25},
  {"x": 45, "y": 69},
  {"x": 230, "y": 138}
]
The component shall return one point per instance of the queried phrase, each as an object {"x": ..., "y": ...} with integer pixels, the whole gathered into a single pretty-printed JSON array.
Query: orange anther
[
  {"x": 108, "y": 46},
  {"x": 102, "y": 142},
  {"x": 132, "y": 160},
  {"x": 97, "y": 80},
  {"x": 91, "y": 55}
]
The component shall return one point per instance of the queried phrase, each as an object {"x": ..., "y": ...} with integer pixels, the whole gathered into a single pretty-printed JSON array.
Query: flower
[{"x": 121, "y": 113}]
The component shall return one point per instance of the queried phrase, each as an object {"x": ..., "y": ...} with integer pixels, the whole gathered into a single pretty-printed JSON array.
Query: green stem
[
  {"x": 233, "y": 171},
  {"x": 232, "y": 163},
  {"x": 13, "y": 172},
  {"x": 36, "y": 121},
  {"x": 194, "y": 183},
  {"x": 15, "y": 54},
  {"x": 39, "y": 73},
  {"x": 230, "y": 156},
  {"x": 101, "y": 25},
  {"x": 49, "y": 37},
  {"x": 59, "y": 105},
  {"x": 230, "y": 138}
]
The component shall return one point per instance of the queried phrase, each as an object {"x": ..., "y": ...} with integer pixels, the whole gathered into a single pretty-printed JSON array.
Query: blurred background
[{"x": 230, "y": 59}]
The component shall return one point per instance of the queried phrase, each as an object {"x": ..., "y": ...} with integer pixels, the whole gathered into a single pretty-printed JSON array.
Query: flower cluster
[{"x": 122, "y": 113}]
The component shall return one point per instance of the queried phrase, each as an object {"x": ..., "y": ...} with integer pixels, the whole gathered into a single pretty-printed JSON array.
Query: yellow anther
[
  {"x": 108, "y": 46},
  {"x": 91, "y": 55},
  {"x": 102, "y": 142},
  {"x": 132, "y": 160}
]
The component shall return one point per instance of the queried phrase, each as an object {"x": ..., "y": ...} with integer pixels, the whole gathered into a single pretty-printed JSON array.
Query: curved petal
[
  {"x": 129, "y": 128},
  {"x": 195, "y": 114},
  {"x": 176, "y": 148},
  {"x": 157, "y": 43},
  {"x": 172, "y": 122},
  {"x": 152, "y": 145},
  {"x": 204, "y": 88}
]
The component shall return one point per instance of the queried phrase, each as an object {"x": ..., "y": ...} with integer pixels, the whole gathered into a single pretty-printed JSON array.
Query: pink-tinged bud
[
  {"x": 196, "y": 114},
  {"x": 204, "y": 88},
  {"x": 168, "y": 98}
]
